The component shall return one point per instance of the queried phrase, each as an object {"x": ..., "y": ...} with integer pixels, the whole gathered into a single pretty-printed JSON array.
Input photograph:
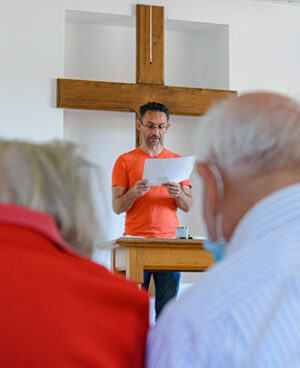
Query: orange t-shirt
[{"x": 154, "y": 215}]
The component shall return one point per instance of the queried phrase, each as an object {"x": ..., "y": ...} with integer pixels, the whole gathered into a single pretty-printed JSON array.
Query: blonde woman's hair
[{"x": 53, "y": 178}]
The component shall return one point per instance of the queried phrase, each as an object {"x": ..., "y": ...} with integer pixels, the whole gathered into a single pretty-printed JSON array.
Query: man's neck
[
  {"x": 242, "y": 194},
  {"x": 151, "y": 151}
]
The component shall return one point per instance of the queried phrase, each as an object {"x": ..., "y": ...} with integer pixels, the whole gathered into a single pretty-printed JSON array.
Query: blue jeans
[{"x": 166, "y": 287}]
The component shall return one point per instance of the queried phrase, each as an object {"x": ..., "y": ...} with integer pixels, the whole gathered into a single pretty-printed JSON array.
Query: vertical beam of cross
[
  {"x": 149, "y": 72},
  {"x": 149, "y": 47}
]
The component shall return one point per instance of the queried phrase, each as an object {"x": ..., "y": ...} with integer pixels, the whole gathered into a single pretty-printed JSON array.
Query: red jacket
[{"x": 58, "y": 309}]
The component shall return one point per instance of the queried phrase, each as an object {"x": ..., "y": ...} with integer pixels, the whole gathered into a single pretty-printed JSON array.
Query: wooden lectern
[{"x": 132, "y": 256}]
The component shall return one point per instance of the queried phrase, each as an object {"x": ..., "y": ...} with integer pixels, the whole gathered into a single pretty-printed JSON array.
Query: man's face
[{"x": 153, "y": 127}]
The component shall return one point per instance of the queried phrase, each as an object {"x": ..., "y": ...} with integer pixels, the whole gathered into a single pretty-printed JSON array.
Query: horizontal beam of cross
[{"x": 93, "y": 95}]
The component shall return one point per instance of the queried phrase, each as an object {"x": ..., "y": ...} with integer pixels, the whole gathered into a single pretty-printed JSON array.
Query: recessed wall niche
[{"x": 102, "y": 47}]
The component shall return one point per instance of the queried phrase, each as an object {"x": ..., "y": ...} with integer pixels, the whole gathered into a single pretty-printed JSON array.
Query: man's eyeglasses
[{"x": 150, "y": 126}]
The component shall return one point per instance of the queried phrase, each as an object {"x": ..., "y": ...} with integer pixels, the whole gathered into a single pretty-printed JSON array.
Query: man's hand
[
  {"x": 174, "y": 189},
  {"x": 141, "y": 187},
  {"x": 182, "y": 195},
  {"x": 123, "y": 199}
]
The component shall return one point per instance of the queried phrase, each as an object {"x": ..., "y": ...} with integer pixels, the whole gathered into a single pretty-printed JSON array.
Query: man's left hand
[{"x": 174, "y": 189}]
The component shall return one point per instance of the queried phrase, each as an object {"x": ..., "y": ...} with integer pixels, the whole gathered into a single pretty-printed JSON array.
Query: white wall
[
  {"x": 31, "y": 58},
  {"x": 196, "y": 55}
]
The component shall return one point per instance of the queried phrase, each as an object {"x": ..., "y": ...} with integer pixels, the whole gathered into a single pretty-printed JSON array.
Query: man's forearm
[
  {"x": 123, "y": 203},
  {"x": 184, "y": 201}
]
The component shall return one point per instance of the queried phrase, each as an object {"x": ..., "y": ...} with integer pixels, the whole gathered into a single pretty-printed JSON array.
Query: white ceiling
[{"x": 281, "y": 2}]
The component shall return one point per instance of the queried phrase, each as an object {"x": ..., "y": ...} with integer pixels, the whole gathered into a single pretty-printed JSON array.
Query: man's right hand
[
  {"x": 141, "y": 187},
  {"x": 123, "y": 199}
]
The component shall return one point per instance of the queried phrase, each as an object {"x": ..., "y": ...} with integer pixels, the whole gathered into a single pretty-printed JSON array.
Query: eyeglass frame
[{"x": 155, "y": 126}]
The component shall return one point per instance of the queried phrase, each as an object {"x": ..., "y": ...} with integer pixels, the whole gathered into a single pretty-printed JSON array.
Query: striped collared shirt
[{"x": 245, "y": 311}]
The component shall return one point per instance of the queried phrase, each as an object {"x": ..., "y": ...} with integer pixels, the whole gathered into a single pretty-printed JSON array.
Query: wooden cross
[{"x": 149, "y": 86}]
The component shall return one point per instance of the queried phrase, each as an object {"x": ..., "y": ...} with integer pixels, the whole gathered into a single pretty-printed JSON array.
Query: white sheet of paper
[{"x": 162, "y": 170}]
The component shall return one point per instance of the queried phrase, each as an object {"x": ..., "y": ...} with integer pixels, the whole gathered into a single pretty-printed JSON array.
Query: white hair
[
  {"x": 252, "y": 133},
  {"x": 52, "y": 178}
]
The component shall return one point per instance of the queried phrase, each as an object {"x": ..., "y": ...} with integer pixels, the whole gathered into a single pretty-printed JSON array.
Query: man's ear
[
  {"x": 138, "y": 124},
  {"x": 211, "y": 188},
  {"x": 168, "y": 126}
]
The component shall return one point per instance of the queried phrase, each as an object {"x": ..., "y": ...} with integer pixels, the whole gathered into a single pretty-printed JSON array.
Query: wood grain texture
[
  {"x": 176, "y": 259},
  {"x": 150, "y": 71},
  {"x": 159, "y": 255},
  {"x": 134, "y": 264},
  {"x": 93, "y": 95},
  {"x": 125, "y": 241}
]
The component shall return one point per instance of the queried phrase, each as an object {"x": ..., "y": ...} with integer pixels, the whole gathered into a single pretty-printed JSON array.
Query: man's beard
[{"x": 154, "y": 142}]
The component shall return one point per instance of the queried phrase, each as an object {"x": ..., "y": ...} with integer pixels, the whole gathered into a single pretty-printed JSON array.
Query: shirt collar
[
  {"x": 273, "y": 211},
  {"x": 40, "y": 222}
]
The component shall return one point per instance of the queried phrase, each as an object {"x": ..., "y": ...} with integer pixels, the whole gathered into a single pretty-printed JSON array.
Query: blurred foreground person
[
  {"x": 244, "y": 311},
  {"x": 59, "y": 309}
]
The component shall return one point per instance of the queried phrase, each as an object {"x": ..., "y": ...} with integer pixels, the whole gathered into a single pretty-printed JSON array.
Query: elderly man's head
[
  {"x": 251, "y": 148},
  {"x": 56, "y": 179}
]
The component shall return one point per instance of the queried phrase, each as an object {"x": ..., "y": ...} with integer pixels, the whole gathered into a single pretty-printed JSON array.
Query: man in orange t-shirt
[{"x": 150, "y": 211}]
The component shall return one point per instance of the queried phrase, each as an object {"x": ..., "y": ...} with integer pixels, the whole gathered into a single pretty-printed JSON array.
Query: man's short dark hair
[{"x": 153, "y": 106}]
